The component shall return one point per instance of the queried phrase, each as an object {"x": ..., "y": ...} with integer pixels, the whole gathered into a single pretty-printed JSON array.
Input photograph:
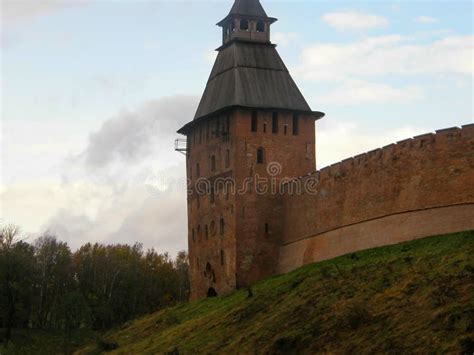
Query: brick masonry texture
[
  {"x": 246, "y": 251},
  {"x": 408, "y": 190}
]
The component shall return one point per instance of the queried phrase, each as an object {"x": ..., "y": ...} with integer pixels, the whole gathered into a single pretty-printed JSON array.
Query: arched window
[
  {"x": 227, "y": 158},
  {"x": 260, "y": 26},
  {"x": 260, "y": 156},
  {"x": 244, "y": 25},
  {"x": 211, "y": 292},
  {"x": 222, "y": 225},
  {"x": 213, "y": 163}
]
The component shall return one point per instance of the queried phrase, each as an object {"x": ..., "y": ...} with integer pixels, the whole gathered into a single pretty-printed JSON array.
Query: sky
[{"x": 93, "y": 91}]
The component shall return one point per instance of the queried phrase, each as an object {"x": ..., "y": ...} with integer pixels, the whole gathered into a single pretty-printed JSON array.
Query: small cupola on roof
[{"x": 246, "y": 21}]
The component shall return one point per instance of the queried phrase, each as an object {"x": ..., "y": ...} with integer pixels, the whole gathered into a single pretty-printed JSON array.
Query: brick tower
[{"x": 252, "y": 124}]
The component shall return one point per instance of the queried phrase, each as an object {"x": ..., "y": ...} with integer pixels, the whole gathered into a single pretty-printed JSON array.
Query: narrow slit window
[
  {"x": 296, "y": 123},
  {"x": 207, "y": 232},
  {"x": 275, "y": 122},
  {"x": 264, "y": 128},
  {"x": 266, "y": 228},
  {"x": 260, "y": 156},
  {"x": 198, "y": 174},
  {"x": 213, "y": 163},
  {"x": 227, "y": 158},
  {"x": 222, "y": 257},
  {"x": 254, "y": 120},
  {"x": 285, "y": 129},
  {"x": 221, "y": 227}
]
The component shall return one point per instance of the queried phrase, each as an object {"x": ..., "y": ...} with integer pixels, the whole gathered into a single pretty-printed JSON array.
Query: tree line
[{"x": 45, "y": 285}]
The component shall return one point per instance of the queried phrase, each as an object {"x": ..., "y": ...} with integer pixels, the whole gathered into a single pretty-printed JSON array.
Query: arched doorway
[{"x": 211, "y": 292}]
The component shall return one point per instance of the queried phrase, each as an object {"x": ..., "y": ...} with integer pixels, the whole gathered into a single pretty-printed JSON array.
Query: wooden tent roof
[
  {"x": 250, "y": 75},
  {"x": 248, "y": 8}
]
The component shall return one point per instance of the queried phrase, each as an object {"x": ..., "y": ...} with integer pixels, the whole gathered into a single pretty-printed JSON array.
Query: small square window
[{"x": 244, "y": 25}]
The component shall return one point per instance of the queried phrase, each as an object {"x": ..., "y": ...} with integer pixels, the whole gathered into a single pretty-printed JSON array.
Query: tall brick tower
[{"x": 252, "y": 124}]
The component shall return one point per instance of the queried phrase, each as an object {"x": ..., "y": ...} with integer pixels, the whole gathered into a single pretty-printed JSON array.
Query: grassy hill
[{"x": 416, "y": 296}]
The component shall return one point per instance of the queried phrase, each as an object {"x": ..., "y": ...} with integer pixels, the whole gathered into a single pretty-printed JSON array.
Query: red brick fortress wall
[{"x": 408, "y": 190}]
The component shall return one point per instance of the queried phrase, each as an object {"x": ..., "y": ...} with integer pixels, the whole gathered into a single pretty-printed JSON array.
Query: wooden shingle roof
[
  {"x": 248, "y": 8},
  {"x": 250, "y": 75}
]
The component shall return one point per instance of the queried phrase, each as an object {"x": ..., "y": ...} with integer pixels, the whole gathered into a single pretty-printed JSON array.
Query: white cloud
[
  {"x": 345, "y": 139},
  {"x": 16, "y": 15},
  {"x": 426, "y": 20},
  {"x": 354, "y": 20},
  {"x": 363, "y": 92},
  {"x": 210, "y": 56},
  {"x": 18, "y": 12},
  {"x": 284, "y": 39},
  {"x": 108, "y": 192},
  {"x": 387, "y": 55}
]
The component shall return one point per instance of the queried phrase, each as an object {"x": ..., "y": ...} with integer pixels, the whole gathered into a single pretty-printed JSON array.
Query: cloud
[
  {"x": 159, "y": 222},
  {"x": 363, "y": 92},
  {"x": 16, "y": 15},
  {"x": 136, "y": 214},
  {"x": 284, "y": 39},
  {"x": 387, "y": 55},
  {"x": 354, "y": 20},
  {"x": 425, "y": 20},
  {"x": 134, "y": 135},
  {"x": 339, "y": 139},
  {"x": 127, "y": 184},
  {"x": 210, "y": 56},
  {"x": 15, "y": 12}
]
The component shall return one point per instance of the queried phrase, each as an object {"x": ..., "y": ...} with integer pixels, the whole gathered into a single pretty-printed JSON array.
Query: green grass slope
[{"x": 411, "y": 297}]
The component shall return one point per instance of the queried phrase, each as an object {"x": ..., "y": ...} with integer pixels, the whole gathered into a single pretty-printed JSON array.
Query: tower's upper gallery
[{"x": 247, "y": 20}]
